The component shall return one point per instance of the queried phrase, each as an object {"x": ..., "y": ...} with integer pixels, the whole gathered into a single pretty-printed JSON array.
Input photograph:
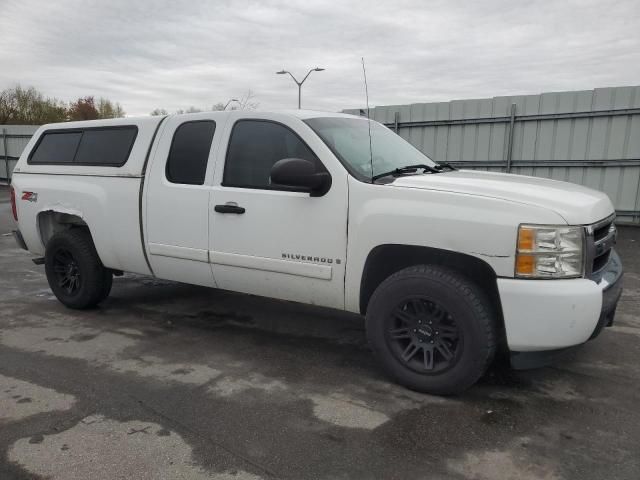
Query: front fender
[{"x": 483, "y": 227}]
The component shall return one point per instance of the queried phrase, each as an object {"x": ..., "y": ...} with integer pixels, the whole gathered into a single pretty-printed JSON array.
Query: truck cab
[{"x": 446, "y": 265}]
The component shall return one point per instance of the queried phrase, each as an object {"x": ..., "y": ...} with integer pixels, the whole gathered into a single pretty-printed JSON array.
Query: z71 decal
[{"x": 30, "y": 196}]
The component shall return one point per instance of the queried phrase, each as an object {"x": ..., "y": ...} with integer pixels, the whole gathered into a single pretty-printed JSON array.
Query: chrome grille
[{"x": 600, "y": 239}]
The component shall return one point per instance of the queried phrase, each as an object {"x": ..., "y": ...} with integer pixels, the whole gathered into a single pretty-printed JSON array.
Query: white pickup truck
[{"x": 327, "y": 209}]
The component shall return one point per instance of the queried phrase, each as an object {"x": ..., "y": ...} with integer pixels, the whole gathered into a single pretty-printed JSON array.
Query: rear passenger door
[{"x": 177, "y": 198}]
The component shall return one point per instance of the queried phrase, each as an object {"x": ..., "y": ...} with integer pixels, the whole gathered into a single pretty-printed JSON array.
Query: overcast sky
[{"x": 177, "y": 53}]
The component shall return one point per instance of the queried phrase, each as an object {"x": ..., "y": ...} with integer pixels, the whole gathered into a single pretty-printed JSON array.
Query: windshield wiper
[
  {"x": 442, "y": 165},
  {"x": 406, "y": 170}
]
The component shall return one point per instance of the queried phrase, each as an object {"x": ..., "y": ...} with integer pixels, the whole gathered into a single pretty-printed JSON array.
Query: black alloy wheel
[
  {"x": 67, "y": 271},
  {"x": 74, "y": 271},
  {"x": 424, "y": 336},
  {"x": 432, "y": 329}
]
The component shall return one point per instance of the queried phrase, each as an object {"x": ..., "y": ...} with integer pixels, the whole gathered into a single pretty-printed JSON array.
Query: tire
[
  {"x": 74, "y": 271},
  {"x": 432, "y": 329},
  {"x": 108, "y": 283}
]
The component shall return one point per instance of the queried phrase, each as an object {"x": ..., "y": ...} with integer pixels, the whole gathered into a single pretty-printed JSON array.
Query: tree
[
  {"x": 191, "y": 109},
  {"x": 27, "y": 106},
  {"x": 83, "y": 109},
  {"x": 247, "y": 101},
  {"x": 8, "y": 106},
  {"x": 108, "y": 109}
]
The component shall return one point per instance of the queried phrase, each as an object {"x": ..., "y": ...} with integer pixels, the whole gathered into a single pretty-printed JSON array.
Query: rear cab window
[
  {"x": 97, "y": 146},
  {"x": 189, "y": 152}
]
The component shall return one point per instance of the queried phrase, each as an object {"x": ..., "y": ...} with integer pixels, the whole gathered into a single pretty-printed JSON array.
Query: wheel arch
[
  {"x": 74, "y": 270},
  {"x": 385, "y": 260},
  {"x": 50, "y": 222}
]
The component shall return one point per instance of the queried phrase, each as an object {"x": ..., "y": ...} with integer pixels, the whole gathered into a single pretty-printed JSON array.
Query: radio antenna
[{"x": 366, "y": 92}]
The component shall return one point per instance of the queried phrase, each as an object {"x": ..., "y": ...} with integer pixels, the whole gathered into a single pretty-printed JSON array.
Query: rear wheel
[
  {"x": 74, "y": 271},
  {"x": 432, "y": 329}
]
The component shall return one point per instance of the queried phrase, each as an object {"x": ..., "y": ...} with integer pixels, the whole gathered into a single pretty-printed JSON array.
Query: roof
[
  {"x": 304, "y": 114},
  {"x": 147, "y": 119}
]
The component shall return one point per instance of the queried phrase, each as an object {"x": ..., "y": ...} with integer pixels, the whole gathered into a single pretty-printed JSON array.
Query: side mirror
[{"x": 296, "y": 172}]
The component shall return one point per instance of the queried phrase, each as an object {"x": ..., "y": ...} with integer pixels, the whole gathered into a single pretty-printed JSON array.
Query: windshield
[{"x": 348, "y": 138}]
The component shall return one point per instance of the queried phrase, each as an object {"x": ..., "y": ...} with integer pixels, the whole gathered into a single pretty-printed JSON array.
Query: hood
[{"x": 576, "y": 204}]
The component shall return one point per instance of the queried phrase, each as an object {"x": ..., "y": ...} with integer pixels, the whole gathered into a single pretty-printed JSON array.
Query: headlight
[{"x": 549, "y": 251}]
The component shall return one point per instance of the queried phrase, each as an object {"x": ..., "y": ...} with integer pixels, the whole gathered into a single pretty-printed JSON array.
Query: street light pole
[
  {"x": 230, "y": 100},
  {"x": 282, "y": 72}
]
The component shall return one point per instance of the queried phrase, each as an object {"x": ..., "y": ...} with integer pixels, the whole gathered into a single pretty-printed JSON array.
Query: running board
[{"x": 38, "y": 261}]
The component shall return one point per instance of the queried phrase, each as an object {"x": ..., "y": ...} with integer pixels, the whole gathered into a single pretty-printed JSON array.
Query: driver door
[{"x": 268, "y": 240}]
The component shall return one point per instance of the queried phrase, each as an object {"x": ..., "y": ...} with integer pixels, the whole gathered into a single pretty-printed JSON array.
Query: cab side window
[
  {"x": 254, "y": 146},
  {"x": 189, "y": 152}
]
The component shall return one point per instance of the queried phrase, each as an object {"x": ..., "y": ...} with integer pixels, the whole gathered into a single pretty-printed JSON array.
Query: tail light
[{"x": 13, "y": 204}]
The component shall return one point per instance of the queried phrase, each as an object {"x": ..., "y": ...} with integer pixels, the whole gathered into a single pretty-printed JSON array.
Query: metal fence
[
  {"x": 587, "y": 137},
  {"x": 13, "y": 139}
]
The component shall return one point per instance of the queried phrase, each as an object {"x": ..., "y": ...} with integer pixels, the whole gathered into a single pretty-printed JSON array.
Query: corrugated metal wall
[
  {"x": 13, "y": 139},
  {"x": 588, "y": 137}
]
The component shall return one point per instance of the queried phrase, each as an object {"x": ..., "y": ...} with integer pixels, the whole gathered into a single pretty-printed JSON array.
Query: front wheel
[
  {"x": 74, "y": 271},
  {"x": 432, "y": 329}
]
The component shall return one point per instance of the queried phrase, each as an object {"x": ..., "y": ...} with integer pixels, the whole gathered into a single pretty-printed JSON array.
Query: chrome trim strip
[
  {"x": 600, "y": 223},
  {"x": 302, "y": 269},
  {"x": 174, "y": 251}
]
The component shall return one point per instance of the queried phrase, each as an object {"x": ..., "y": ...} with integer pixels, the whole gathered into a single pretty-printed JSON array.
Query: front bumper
[
  {"x": 547, "y": 315},
  {"x": 612, "y": 282}
]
